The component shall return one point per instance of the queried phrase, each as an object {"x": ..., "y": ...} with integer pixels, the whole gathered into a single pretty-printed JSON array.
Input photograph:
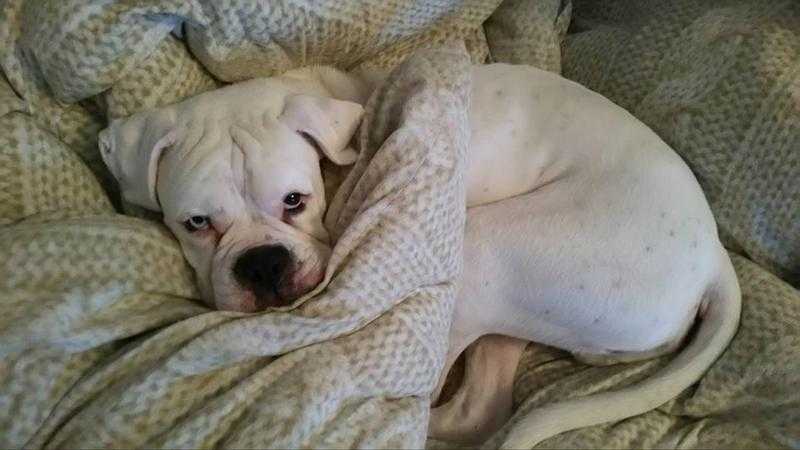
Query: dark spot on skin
[
  {"x": 671, "y": 233},
  {"x": 581, "y": 287},
  {"x": 648, "y": 249},
  {"x": 663, "y": 214},
  {"x": 498, "y": 92},
  {"x": 546, "y": 311},
  {"x": 694, "y": 244},
  {"x": 617, "y": 283},
  {"x": 514, "y": 132},
  {"x": 527, "y": 143},
  {"x": 596, "y": 319},
  {"x": 486, "y": 189},
  {"x": 693, "y": 268}
]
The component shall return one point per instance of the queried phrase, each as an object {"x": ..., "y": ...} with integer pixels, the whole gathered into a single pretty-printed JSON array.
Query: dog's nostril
[
  {"x": 254, "y": 275},
  {"x": 262, "y": 268}
]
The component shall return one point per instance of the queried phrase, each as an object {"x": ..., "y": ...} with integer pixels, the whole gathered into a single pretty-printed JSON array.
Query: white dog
[{"x": 611, "y": 256}]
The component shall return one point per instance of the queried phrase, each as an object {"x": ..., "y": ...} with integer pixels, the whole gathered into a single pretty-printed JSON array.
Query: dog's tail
[{"x": 716, "y": 330}]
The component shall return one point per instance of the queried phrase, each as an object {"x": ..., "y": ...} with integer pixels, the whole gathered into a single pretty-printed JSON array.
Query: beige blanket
[{"x": 103, "y": 344}]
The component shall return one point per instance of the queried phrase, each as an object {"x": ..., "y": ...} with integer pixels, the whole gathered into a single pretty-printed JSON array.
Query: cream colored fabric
[
  {"x": 528, "y": 32},
  {"x": 102, "y": 344},
  {"x": 246, "y": 38}
]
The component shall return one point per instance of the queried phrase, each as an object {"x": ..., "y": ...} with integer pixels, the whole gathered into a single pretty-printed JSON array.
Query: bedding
[{"x": 102, "y": 339}]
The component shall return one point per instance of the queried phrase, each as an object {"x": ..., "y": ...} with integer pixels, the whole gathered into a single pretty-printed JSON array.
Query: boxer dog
[{"x": 611, "y": 255}]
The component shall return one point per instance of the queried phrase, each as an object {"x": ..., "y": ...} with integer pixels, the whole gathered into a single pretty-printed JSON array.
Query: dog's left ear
[
  {"x": 131, "y": 148},
  {"x": 330, "y": 123}
]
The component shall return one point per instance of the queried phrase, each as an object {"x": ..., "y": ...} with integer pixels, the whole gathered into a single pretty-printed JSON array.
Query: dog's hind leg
[{"x": 482, "y": 404}]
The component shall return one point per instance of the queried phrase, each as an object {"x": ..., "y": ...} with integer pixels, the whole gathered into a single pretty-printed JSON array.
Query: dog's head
[{"x": 236, "y": 174}]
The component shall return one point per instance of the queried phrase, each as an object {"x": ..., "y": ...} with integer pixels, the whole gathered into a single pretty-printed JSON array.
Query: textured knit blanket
[{"x": 102, "y": 340}]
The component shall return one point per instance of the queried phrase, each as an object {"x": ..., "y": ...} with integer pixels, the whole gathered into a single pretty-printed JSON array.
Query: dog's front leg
[{"x": 483, "y": 401}]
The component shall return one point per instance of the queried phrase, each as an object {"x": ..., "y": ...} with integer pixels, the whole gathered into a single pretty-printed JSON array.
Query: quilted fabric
[
  {"x": 526, "y": 32},
  {"x": 250, "y": 38},
  {"x": 39, "y": 174},
  {"x": 72, "y": 123},
  {"x": 103, "y": 344},
  {"x": 168, "y": 75},
  {"x": 82, "y": 48}
]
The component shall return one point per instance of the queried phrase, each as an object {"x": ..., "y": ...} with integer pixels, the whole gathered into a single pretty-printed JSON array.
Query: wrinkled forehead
[
  {"x": 257, "y": 97},
  {"x": 231, "y": 159}
]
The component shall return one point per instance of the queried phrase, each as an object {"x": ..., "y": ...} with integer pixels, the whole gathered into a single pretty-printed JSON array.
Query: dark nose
[{"x": 261, "y": 269}]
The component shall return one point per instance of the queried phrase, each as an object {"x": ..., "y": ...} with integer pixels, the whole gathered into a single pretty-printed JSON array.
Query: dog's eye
[
  {"x": 294, "y": 203},
  {"x": 293, "y": 200},
  {"x": 197, "y": 223}
]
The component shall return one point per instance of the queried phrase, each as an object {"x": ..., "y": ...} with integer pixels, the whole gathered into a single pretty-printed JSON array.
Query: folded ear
[
  {"x": 330, "y": 123},
  {"x": 131, "y": 148}
]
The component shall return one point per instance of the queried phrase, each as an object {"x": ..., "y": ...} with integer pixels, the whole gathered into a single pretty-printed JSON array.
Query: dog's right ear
[
  {"x": 131, "y": 148},
  {"x": 329, "y": 123}
]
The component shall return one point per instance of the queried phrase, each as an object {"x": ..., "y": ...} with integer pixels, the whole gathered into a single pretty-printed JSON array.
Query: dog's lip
[
  {"x": 287, "y": 294},
  {"x": 300, "y": 285},
  {"x": 246, "y": 302},
  {"x": 312, "y": 277},
  {"x": 272, "y": 301}
]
